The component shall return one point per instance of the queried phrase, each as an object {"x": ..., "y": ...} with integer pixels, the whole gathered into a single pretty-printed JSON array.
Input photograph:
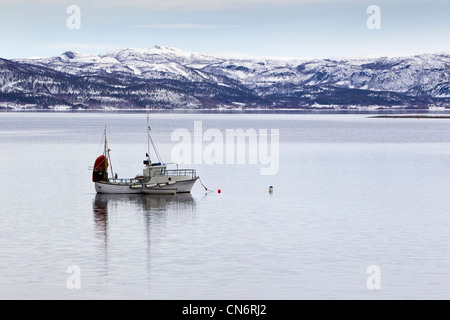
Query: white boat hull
[
  {"x": 183, "y": 186},
  {"x": 113, "y": 188}
]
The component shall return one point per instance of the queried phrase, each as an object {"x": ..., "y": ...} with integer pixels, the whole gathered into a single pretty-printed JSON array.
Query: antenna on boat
[{"x": 149, "y": 140}]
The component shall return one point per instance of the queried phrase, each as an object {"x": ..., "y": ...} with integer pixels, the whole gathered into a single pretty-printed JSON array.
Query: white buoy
[{"x": 270, "y": 189}]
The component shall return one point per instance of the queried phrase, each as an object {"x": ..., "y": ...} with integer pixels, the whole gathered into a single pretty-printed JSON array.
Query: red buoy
[{"x": 218, "y": 191}]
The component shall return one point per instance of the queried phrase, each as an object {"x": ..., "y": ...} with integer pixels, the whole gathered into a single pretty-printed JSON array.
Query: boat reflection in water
[
  {"x": 124, "y": 221},
  {"x": 153, "y": 207}
]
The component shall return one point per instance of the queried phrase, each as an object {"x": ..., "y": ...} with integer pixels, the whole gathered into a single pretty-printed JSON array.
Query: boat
[{"x": 156, "y": 178}]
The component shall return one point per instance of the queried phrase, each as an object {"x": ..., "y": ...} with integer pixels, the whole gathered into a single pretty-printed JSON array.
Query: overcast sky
[{"x": 276, "y": 28}]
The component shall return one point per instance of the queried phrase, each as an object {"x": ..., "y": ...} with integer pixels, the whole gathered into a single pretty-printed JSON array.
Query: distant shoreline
[
  {"x": 384, "y": 113},
  {"x": 413, "y": 116}
]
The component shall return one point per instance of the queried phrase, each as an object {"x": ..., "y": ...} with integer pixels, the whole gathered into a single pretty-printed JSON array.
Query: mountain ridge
[{"x": 169, "y": 78}]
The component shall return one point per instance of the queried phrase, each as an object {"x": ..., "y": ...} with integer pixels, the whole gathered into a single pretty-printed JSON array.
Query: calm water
[{"x": 351, "y": 192}]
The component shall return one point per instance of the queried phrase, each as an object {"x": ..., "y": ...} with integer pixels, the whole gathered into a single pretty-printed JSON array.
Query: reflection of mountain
[{"x": 110, "y": 209}]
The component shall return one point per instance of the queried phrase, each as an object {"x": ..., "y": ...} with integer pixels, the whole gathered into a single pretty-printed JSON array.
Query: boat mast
[
  {"x": 108, "y": 156},
  {"x": 149, "y": 140},
  {"x": 106, "y": 146}
]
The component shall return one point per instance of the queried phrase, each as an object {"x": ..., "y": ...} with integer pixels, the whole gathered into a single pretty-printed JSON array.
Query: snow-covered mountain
[{"x": 165, "y": 77}]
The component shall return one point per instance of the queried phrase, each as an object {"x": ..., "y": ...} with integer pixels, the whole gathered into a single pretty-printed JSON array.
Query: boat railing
[
  {"x": 124, "y": 181},
  {"x": 177, "y": 172}
]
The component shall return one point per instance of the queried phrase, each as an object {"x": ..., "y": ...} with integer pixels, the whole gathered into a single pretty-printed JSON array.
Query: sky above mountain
[{"x": 277, "y": 28}]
